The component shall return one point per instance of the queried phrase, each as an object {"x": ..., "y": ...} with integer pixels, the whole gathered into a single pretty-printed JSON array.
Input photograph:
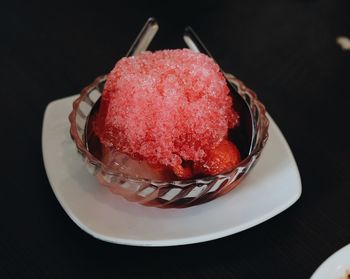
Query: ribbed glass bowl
[{"x": 179, "y": 193}]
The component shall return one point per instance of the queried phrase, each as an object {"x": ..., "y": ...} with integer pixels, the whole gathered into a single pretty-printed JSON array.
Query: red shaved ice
[{"x": 169, "y": 108}]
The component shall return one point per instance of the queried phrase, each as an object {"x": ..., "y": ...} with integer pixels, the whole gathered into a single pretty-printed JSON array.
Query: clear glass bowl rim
[{"x": 91, "y": 159}]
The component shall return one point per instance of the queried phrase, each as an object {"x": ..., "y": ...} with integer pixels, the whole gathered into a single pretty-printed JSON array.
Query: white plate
[
  {"x": 272, "y": 186},
  {"x": 336, "y": 266}
]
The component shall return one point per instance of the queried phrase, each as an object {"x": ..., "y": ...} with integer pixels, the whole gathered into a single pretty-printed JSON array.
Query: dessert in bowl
[{"x": 158, "y": 129}]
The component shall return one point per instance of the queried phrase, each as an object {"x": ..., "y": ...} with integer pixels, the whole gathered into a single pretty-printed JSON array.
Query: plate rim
[
  {"x": 328, "y": 261},
  {"x": 177, "y": 241}
]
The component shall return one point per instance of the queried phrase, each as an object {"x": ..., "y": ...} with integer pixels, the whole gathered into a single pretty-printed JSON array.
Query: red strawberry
[
  {"x": 221, "y": 159},
  {"x": 185, "y": 170}
]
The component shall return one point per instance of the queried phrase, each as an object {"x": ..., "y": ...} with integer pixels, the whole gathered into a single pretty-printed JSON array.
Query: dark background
[{"x": 285, "y": 50}]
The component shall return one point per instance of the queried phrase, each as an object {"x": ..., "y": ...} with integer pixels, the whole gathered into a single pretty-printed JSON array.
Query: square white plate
[
  {"x": 271, "y": 187},
  {"x": 335, "y": 266}
]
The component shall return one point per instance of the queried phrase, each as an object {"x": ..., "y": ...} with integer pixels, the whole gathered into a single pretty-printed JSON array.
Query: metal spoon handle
[
  {"x": 193, "y": 42},
  {"x": 144, "y": 38},
  {"x": 245, "y": 134}
]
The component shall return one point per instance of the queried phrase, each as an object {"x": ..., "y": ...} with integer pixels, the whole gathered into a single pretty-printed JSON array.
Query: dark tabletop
[{"x": 285, "y": 50}]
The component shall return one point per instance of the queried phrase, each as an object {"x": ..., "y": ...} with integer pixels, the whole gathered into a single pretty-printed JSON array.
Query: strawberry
[
  {"x": 221, "y": 159},
  {"x": 185, "y": 170}
]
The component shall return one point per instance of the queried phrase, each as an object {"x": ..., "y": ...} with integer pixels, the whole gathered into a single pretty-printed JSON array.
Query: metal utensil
[
  {"x": 144, "y": 38},
  {"x": 141, "y": 43},
  {"x": 245, "y": 134}
]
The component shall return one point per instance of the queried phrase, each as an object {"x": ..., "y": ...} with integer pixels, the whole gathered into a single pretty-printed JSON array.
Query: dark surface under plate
[{"x": 285, "y": 50}]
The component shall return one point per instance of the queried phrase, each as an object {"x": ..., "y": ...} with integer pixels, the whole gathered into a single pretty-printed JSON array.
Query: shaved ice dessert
[{"x": 168, "y": 112}]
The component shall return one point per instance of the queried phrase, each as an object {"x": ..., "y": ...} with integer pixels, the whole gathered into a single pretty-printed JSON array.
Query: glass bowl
[{"x": 177, "y": 193}]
